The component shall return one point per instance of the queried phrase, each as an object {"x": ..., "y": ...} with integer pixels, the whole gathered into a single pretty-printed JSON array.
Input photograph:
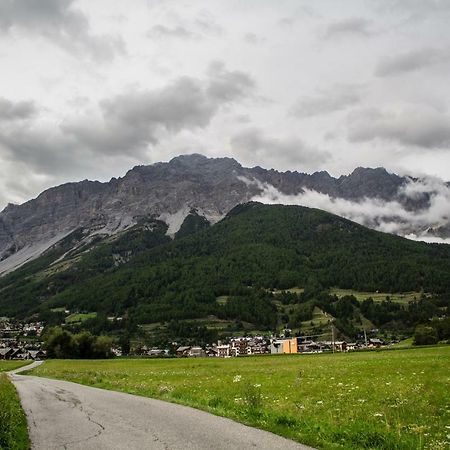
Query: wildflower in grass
[
  {"x": 320, "y": 402},
  {"x": 257, "y": 385},
  {"x": 237, "y": 378},
  {"x": 378, "y": 415}
]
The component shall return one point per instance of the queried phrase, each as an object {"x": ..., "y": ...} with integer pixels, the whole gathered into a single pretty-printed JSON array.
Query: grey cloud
[
  {"x": 287, "y": 21},
  {"x": 300, "y": 12},
  {"x": 125, "y": 124},
  {"x": 327, "y": 101},
  {"x": 348, "y": 27},
  {"x": 225, "y": 86},
  {"x": 131, "y": 121},
  {"x": 178, "y": 32},
  {"x": 16, "y": 111},
  {"x": 417, "y": 10},
  {"x": 252, "y": 38},
  {"x": 207, "y": 24},
  {"x": 411, "y": 127},
  {"x": 59, "y": 22},
  {"x": 412, "y": 61},
  {"x": 40, "y": 149},
  {"x": 252, "y": 144}
]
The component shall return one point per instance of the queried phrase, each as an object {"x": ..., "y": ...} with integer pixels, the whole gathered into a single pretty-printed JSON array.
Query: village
[
  {"x": 260, "y": 345},
  {"x": 22, "y": 341}
]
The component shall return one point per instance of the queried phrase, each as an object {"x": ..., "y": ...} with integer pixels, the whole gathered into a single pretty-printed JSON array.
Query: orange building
[{"x": 290, "y": 346}]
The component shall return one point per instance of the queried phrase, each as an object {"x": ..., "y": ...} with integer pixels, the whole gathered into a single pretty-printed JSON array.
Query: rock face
[{"x": 169, "y": 191}]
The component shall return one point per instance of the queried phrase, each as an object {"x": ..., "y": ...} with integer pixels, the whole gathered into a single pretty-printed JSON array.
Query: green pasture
[
  {"x": 369, "y": 400},
  {"x": 80, "y": 317},
  {"x": 404, "y": 297},
  {"x": 6, "y": 366}
]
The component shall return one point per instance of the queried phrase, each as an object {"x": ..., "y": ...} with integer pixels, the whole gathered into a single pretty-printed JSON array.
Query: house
[
  {"x": 337, "y": 346},
  {"x": 239, "y": 346},
  {"x": 223, "y": 351},
  {"x": 279, "y": 346},
  {"x": 156, "y": 352},
  {"x": 340, "y": 346},
  {"x": 6, "y": 353},
  {"x": 308, "y": 346},
  {"x": 196, "y": 352},
  {"x": 183, "y": 351},
  {"x": 211, "y": 352},
  {"x": 257, "y": 346},
  {"x": 276, "y": 347},
  {"x": 116, "y": 351},
  {"x": 19, "y": 353},
  {"x": 37, "y": 355},
  {"x": 375, "y": 343}
]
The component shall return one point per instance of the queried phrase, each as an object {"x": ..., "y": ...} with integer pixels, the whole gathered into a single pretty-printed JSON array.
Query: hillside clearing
[{"x": 403, "y": 297}]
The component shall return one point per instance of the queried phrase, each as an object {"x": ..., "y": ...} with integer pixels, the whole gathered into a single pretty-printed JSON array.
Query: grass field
[
  {"x": 5, "y": 366},
  {"x": 80, "y": 317},
  {"x": 13, "y": 424},
  {"x": 404, "y": 297},
  {"x": 373, "y": 400}
]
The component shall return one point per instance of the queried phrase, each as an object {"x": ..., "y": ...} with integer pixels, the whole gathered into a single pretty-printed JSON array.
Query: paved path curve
[{"x": 64, "y": 415}]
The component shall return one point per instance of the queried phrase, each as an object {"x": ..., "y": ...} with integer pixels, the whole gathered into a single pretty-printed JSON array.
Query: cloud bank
[
  {"x": 387, "y": 216},
  {"x": 60, "y": 23}
]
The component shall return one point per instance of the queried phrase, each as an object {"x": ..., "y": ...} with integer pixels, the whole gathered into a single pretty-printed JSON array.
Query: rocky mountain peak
[
  {"x": 196, "y": 161},
  {"x": 169, "y": 191}
]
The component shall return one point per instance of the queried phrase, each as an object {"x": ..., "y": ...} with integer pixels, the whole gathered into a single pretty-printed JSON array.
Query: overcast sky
[{"x": 90, "y": 88}]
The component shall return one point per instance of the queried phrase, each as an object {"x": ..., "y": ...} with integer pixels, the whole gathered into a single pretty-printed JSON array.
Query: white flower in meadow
[
  {"x": 320, "y": 402},
  {"x": 237, "y": 378},
  {"x": 378, "y": 415}
]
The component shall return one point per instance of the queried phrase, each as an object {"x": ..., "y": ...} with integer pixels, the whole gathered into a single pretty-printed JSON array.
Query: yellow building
[{"x": 290, "y": 346}]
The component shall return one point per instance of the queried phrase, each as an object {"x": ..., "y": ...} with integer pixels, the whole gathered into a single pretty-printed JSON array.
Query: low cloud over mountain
[{"x": 394, "y": 216}]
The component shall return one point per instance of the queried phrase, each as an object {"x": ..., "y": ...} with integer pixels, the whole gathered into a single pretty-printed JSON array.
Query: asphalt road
[{"x": 64, "y": 415}]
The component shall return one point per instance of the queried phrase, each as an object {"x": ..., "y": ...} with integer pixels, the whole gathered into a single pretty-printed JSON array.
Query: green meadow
[
  {"x": 80, "y": 317},
  {"x": 397, "y": 399},
  {"x": 399, "y": 297},
  {"x": 13, "y": 424},
  {"x": 5, "y": 366}
]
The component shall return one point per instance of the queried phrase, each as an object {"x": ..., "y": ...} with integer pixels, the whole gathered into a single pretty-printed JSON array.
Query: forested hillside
[{"x": 146, "y": 277}]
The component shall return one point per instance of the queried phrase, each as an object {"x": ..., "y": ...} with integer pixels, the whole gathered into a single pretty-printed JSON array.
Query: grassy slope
[
  {"x": 377, "y": 400},
  {"x": 13, "y": 423}
]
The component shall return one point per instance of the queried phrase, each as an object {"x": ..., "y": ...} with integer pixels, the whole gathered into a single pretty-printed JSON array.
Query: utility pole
[
  {"x": 332, "y": 336},
  {"x": 365, "y": 337}
]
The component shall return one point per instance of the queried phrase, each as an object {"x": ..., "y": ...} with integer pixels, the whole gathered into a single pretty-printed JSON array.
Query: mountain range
[{"x": 212, "y": 187}]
